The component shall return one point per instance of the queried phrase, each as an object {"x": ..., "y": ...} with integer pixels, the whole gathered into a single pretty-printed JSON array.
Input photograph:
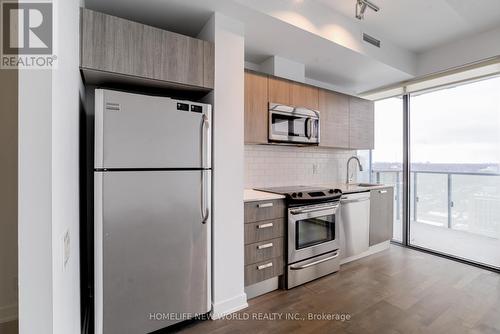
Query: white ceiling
[{"x": 420, "y": 25}]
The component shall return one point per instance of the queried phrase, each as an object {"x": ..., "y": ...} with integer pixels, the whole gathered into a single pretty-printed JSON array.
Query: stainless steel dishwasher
[{"x": 355, "y": 223}]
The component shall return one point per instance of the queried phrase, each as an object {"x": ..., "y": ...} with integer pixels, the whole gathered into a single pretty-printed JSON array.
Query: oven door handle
[
  {"x": 298, "y": 212},
  {"x": 315, "y": 262}
]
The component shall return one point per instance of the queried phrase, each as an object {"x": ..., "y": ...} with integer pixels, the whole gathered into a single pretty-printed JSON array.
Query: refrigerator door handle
[
  {"x": 205, "y": 211},
  {"x": 205, "y": 124}
]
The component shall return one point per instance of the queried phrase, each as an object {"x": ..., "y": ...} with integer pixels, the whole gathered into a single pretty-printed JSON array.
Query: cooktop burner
[{"x": 301, "y": 194}]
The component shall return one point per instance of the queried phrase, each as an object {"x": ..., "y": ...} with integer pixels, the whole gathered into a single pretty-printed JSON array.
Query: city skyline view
[{"x": 454, "y": 125}]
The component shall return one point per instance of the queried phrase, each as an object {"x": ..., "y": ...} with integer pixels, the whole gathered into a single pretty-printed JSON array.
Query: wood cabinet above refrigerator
[{"x": 119, "y": 50}]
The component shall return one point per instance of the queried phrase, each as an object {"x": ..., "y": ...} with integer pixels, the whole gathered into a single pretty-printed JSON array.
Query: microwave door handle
[{"x": 309, "y": 128}]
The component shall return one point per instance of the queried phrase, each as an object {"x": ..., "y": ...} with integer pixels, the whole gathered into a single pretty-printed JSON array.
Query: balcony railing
[{"x": 463, "y": 201}]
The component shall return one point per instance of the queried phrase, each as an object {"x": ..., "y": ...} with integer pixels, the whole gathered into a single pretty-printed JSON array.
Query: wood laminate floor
[{"x": 396, "y": 291}]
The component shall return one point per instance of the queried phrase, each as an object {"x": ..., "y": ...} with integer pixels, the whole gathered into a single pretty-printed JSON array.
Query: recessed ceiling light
[{"x": 361, "y": 8}]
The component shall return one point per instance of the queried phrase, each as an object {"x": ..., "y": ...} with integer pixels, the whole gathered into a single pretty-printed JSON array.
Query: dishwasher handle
[{"x": 355, "y": 200}]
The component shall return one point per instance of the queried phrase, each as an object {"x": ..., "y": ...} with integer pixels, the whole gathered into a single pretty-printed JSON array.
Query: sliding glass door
[{"x": 455, "y": 171}]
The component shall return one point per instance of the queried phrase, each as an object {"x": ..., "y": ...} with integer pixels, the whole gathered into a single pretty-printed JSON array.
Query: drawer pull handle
[
  {"x": 264, "y": 246},
  {"x": 382, "y": 191},
  {"x": 265, "y": 205},
  {"x": 265, "y": 225},
  {"x": 264, "y": 266}
]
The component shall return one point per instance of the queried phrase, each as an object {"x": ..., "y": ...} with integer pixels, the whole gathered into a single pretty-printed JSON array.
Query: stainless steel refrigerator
[{"x": 151, "y": 211}]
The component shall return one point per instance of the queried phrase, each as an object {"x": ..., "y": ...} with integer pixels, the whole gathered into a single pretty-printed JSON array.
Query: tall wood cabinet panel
[
  {"x": 381, "y": 215},
  {"x": 279, "y": 91},
  {"x": 256, "y": 105},
  {"x": 361, "y": 123},
  {"x": 334, "y": 112},
  {"x": 304, "y": 96},
  {"x": 208, "y": 64},
  {"x": 118, "y": 46}
]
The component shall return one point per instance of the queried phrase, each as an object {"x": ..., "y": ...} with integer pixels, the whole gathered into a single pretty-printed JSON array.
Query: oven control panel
[{"x": 327, "y": 194}]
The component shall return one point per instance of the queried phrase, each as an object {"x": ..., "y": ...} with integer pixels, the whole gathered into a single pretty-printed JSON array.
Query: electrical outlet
[
  {"x": 66, "y": 248},
  {"x": 315, "y": 168}
]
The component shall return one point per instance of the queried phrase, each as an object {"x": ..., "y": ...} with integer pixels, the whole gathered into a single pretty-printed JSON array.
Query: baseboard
[
  {"x": 228, "y": 306},
  {"x": 372, "y": 250},
  {"x": 261, "y": 288},
  {"x": 8, "y": 313}
]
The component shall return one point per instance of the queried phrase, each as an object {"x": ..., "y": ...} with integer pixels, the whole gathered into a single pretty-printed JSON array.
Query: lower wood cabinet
[
  {"x": 381, "y": 215},
  {"x": 263, "y": 250},
  {"x": 264, "y": 240},
  {"x": 261, "y": 271},
  {"x": 264, "y": 230},
  {"x": 264, "y": 210}
]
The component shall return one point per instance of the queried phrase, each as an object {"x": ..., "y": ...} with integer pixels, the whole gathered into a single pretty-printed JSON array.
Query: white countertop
[{"x": 251, "y": 195}]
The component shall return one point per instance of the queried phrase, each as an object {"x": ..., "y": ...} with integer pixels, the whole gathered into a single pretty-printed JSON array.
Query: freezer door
[
  {"x": 151, "y": 250},
  {"x": 140, "y": 131}
]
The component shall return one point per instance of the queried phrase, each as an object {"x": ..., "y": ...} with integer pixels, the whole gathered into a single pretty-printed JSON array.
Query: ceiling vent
[{"x": 372, "y": 40}]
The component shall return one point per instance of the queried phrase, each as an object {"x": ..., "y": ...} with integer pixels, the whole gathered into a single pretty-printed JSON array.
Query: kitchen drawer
[
  {"x": 264, "y": 250},
  {"x": 261, "y": 271},
  {"x": 264, "y": 230},
  {"x": 264, "y": 210}
]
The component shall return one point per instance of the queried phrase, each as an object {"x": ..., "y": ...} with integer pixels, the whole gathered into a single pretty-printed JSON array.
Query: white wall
[
  {"x": 228, "y": 101},
  {"x": 464, "y": 51},
  {"x": 35, "y": 208},
  {"x": 65, "y": 170},
  {"x": 49, "y": 299}
]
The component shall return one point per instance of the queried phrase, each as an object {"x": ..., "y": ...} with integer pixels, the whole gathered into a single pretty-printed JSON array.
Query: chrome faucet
[{"x": 349, "y": 179}]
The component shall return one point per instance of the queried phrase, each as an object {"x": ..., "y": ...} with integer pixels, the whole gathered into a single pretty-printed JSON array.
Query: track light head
[{"x": 361, "y": 8}]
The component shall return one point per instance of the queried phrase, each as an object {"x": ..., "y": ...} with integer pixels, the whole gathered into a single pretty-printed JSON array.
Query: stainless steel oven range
[{"x": 313, "y": 244}]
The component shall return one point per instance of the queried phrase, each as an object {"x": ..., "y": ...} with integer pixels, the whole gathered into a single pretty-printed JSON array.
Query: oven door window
[
  {"x": 314, "y": 231},
  {"x": 287, "y": 125}
]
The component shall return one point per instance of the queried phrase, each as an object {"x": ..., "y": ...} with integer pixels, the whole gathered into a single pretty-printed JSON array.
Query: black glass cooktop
[{"x": 305, "y": 193}]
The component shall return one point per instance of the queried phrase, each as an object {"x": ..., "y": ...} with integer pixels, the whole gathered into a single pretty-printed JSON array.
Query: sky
[{"x": 454, "y": 125}]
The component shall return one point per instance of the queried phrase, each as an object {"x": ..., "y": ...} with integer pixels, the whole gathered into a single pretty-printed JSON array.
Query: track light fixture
[{"x": 361, "y": 8}]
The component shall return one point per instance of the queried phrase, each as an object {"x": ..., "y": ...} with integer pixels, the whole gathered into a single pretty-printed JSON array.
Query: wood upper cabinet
[
  {"x": 334, "y": 113},
  {"x": 114, "y": 45},
  {"x": 361, "y": 124},
  {"x": 256, "y": 105},
  {"x": 304, "y": 96},
  {"x": 346, "y": 121},
  {"x": 279, "y": 91}
]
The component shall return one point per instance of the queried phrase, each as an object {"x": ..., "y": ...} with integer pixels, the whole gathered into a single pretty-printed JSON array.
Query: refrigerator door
[
  {"x": 151, "y": 249},
  {"x": 140, "y": 131}
]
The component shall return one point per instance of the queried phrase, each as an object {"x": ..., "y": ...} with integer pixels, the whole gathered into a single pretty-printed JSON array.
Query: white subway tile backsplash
[{"x": 274, "y": 165}]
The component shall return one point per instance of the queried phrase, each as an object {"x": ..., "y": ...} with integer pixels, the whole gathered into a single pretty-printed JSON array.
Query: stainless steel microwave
[{"x": 293, "y": 125}]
